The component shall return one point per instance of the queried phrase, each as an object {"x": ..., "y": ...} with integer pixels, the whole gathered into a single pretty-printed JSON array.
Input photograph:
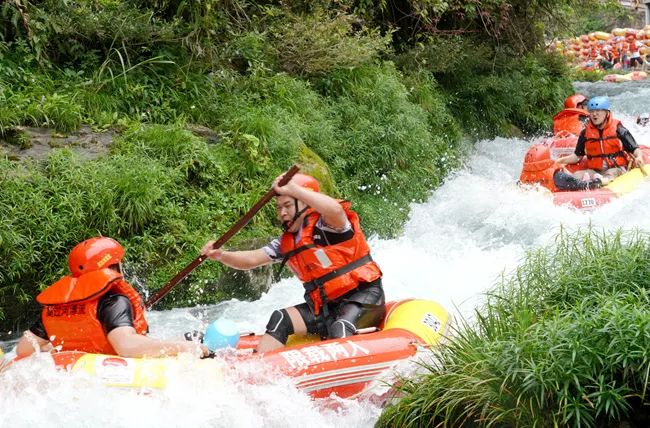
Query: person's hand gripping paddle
[{"x": 222, "y": 240}]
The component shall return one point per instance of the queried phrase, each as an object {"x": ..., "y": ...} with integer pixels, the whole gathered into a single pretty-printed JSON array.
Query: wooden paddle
[
  {"x": 631, "y": 165},
  {"x": 222, "y": 240}
]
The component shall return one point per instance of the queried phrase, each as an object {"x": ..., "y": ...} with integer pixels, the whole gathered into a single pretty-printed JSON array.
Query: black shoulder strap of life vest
[{"x": 286, "y": 256}]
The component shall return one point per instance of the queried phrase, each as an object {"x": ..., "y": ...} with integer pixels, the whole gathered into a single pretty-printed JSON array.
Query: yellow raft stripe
[
  {"x": 628, "y": 181},
  {"x": 125, "y": 372}
]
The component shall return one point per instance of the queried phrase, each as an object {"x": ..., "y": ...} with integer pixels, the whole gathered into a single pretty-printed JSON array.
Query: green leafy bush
[
  {"x": 317, "y": 44},
  {"x": 588, "y": 75},
  {"x": 387, "y": 149},
  {"x": 490, "y": 89},
  {"x": 146, "y": 195}
]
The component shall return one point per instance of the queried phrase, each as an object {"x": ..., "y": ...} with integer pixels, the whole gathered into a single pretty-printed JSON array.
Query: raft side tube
[{"x": 426, "y": 319}]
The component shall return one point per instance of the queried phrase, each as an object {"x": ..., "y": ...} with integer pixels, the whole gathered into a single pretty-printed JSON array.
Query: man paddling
[
  {"x": 324, "y": 246},
  {"x": 94, "y": 310}
]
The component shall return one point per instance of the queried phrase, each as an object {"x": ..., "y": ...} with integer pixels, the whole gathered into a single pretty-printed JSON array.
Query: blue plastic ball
[{"x": 221, "y": 333}]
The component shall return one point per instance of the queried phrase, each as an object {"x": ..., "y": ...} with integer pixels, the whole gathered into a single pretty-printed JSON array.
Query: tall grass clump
[
  {"x": 391, "y": 148},
  {"x": 562, "y": 342}
]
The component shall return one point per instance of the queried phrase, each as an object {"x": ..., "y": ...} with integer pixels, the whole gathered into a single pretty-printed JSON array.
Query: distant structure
[{"x": 640, "y": 7}]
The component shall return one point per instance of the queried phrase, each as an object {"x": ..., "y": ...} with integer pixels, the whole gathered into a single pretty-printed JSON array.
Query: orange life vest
[
  {"x": 328, "y": 272},
  {"x": 571, "y": 120},
  {"x": 70, "y": 310},
  {"x": 603, "y": 147}
]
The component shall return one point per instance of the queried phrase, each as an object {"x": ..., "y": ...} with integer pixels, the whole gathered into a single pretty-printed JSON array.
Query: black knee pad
[
  {"x": 341, "y": 328},
  {"x": 280, "y": 326}
]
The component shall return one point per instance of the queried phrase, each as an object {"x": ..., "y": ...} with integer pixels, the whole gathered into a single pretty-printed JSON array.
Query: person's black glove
[
  {"x": 197, "y": 336},
  {"x": 594, "y": 183},
  {"x": 194, "y": 336}
]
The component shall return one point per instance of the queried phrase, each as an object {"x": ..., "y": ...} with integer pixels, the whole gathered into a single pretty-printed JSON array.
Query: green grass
[
  {"x": 562, "y": 342},
  {"x": 592, "y": 75}
]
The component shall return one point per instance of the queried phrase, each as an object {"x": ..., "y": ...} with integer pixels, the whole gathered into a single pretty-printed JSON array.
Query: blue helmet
[{"x": 598, "y": 103}]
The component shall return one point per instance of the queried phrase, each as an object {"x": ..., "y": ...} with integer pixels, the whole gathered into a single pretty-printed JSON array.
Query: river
[{"x": 477, "y": 226}]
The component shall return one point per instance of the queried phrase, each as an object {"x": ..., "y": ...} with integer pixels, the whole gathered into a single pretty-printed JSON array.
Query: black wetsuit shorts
[{"x": 361, "y": 308}]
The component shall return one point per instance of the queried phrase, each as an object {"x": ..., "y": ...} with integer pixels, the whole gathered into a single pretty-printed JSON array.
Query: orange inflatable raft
[
  {"x": 345, "y": 367},
  {"x": 539, "y": 166},
  {"x": 619, "y": 78}
]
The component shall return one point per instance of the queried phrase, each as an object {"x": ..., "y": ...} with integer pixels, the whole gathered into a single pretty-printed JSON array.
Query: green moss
[{"x": 313, "y": 165}]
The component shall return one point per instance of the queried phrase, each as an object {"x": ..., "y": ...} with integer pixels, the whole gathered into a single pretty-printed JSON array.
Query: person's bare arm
[
  {"x": 128, "y": 343},
  {"x": 242, "y": 260},
  {"x": 568, "y": 159},
  {"x": 638, "y": 157},
  {"x": 29, "y": 343},
  {"x": 331, "y": 211}
]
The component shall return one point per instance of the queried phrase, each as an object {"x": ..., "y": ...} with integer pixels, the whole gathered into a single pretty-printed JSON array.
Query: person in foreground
[
  {"x": 606, "y": 143},
  {"x": 325, "y": 248},
  {"x": 94, "y": 310}
]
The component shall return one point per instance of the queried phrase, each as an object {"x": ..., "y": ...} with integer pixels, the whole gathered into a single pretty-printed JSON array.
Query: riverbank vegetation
[
  {"x": 375, "y": 98},
  {"x": 563, "y": 341}
]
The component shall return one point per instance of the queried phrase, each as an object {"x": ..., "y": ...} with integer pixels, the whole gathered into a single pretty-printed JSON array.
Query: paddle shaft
[
  {"x": 222, "y": 240},
  {"x": 631, "y": 164}
]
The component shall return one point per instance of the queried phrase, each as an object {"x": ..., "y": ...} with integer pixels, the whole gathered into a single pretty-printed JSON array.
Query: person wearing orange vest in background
[
  {"x": 605, "y": 142},
  {"x": 325, "y": 248},
  {"x": 574, "y": 116},
  {"x": 635, "y": 54},
  {"x": 94, "y": 310}
]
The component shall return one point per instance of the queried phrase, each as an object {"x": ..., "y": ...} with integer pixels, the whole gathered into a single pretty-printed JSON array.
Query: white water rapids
[{"x": 472, "y": 229}]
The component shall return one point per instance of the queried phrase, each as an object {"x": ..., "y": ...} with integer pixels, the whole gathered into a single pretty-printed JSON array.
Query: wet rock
[
  {"x": 313, "y": 165},
  {"x": 23, "y": 142},
  {"x": 211, "y": 136},
  {"x": 515, "y": 132},
  {"x": 250, "y": 284},
  {"x": 245, "y": 285}
]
